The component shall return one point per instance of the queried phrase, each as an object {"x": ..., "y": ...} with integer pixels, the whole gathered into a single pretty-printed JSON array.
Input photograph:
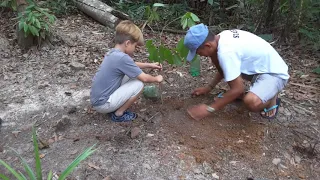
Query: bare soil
[{"x": 43, "y": 87}]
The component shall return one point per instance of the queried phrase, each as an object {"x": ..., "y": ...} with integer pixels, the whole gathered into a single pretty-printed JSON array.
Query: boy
[
  {"x": 238, "y": 55},
  {"x": 119, "y": 80}
]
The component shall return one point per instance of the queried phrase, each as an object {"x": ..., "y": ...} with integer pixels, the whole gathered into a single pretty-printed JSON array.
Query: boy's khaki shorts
[{"x": 128, "y": 89}]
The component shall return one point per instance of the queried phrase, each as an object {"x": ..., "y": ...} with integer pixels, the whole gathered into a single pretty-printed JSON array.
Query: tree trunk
[
  {"x": 269, "y": 13},
  {"x": 101, "y": 12},
  {"x": 25, "y": 42}
]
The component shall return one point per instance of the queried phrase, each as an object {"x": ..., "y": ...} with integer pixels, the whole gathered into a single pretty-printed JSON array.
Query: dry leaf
[
  {"x": 55, "y": 137},
  {"x": 93, "y": 166},
  {"x": 16, "y": 133},
  {"x": 51, "y": 141},
  {"x": 73, "y": 152},
  {"x": 43, "y": 144}
]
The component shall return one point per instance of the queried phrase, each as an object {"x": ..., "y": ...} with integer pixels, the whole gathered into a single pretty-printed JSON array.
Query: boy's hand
[
  {"x": 155, "y": 66},
  {"x": 159, "y": 78},
  {"x": 201, "y": 91}
]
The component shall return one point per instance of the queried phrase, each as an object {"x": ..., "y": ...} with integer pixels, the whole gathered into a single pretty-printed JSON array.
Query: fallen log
[{"x": 101, "y": 12}]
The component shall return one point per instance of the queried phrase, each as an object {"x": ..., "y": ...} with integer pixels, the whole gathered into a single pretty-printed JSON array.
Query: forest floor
[{"x": 49, "y": 86}]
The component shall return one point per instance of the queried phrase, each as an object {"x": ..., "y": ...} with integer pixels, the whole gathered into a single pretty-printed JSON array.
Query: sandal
[
  {"x": 271, "y": 108},
  {"x": 220, "y": 95},
  {"x": 126, "y": 117}
]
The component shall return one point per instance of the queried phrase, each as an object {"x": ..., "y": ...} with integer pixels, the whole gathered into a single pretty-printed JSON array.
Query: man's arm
[
  {"x": 236, "y": 89},
  {"x": 217, "y": 78}
]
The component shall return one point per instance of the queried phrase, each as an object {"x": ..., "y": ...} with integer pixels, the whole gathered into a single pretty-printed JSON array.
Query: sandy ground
[{"x": 44, "y": 86}]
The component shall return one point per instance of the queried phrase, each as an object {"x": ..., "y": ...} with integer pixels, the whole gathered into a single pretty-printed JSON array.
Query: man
[{"x": 238, "y": 54}]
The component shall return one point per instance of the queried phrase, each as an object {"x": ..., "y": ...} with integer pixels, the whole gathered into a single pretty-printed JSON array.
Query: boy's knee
[
  {"x": 252, "y": 102},
  {"x": 138, "y": 85}
]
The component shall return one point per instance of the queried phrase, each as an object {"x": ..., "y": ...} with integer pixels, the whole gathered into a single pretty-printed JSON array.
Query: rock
[
  {"x": 197, "y": 171},
  {"x": 281, "y": 109},
  {"x": 283, "y": 166},
  {"x": 135, "y": 132},
  {"x": 301, "y": 176},
  {"x": 287, "y": 112},
  {"x": 287, "y": 156},
  {"x": 146, "y": 166},
  {"x": 26, "y": 127},
  {"x": 276, "y": 161},
  {"x": 233, "y": 162},
  {"x": 215, "y": 176},
  {"x": 43, "y": 85},
  {"x": 143, "y": 110},
  {"x": 284, "y": 174},
  {"x": 207, "y": 168},
  {"x": 72, "y": 110},
  {"x": 63, "y": 123},
  {"x": 68, "y": 93},
  {"x": 199, "y": 177},
  {"x": 299, "y": 111},
  {"x": 77, "y": 65},
  {"x": 297, "y": 159},
  {"x": 150, "y": 135}
]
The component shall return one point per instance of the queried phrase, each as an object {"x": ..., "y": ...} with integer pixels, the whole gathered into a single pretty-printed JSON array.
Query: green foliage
[
  {"x": 36, "y": 21},
  {"x": 189, "y": 19},
  {"x": 38, "y": 174},
  {"x": 9, "y": 4},
  {"x": 157, "y": 12},
  {"x": 60, "y": 7},
  {"x": 151, "y": 12},
  {"x": 317, "y": 70},
  {"x": 176, "y": 55},
  {"x": 136, "y": 10},
  {"x": 267, "y": 37}
]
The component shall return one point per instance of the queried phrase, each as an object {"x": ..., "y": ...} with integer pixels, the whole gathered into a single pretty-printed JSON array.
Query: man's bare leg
[{"x": 254, "y": 103}]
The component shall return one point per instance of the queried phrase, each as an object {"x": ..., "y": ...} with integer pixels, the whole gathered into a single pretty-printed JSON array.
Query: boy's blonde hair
[{"x": 127, "y": 30}]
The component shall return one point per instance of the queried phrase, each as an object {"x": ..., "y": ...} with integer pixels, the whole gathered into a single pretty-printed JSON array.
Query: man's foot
[
  {"x": 125, "y": 117},
  {"x": 271, "y": 111}
]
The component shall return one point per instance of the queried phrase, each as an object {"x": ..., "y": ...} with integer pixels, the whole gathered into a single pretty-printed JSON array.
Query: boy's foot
[
  {"x": 272, "y": 111},
  {"x": 126, "y": 117}
]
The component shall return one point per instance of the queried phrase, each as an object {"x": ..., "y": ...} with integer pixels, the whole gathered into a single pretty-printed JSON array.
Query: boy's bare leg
[
  {"x": 126, "y": 105},
  {"x": 254, "y": 103}
]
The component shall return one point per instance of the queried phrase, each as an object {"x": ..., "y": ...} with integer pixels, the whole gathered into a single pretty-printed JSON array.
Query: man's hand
[
  {"x": 155, "y": 66},
  {"x": 201, "y": 91},
  {"x": 159, "y": 78},
  {"x": 198, "y": 112}
]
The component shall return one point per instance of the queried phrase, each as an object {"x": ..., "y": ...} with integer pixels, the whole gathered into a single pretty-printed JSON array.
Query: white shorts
[
  {"x": 128, "y": 89},
  {"x": 266, "y": 86}
]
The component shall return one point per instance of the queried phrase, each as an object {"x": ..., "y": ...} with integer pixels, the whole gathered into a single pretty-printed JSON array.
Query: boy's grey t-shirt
[{"x": 115, "y": 66}]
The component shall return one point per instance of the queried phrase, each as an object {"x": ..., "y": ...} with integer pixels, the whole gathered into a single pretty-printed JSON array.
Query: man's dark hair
[{"x": 211, "y": 36}]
